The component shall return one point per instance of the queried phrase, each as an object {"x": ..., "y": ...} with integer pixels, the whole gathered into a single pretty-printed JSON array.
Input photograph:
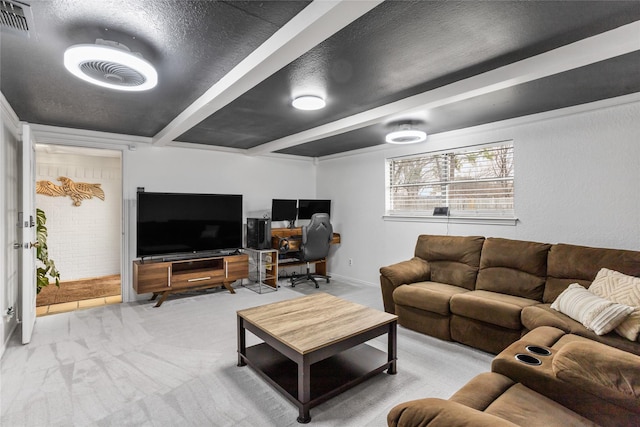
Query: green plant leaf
[{"x": 47, "y": 267}]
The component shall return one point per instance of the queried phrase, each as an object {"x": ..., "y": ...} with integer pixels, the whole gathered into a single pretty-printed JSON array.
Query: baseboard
[
  {"x": 7, "y": 338},
  {"x": 351, "y": 280}
]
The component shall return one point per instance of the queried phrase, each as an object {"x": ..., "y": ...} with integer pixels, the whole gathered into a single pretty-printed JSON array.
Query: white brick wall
[{"x": 84, "y": 241}]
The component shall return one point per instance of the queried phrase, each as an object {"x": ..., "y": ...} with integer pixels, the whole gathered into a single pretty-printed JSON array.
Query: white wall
[
  {"x": 577, "y": 180},
  {"x": 84, "y": 241},
  {"x": 173, "y": 169},
  {"x": 259, "y": 179}
]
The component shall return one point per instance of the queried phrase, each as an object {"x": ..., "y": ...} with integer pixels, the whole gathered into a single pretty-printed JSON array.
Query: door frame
[
  {"x": 27, "y": 224},
  {"x": 127, "y": 145},
  {"x": 76, "y": 149}
]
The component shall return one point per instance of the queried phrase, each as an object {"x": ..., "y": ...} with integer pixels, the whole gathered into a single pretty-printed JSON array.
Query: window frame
[{"x": 453, "y": 217}]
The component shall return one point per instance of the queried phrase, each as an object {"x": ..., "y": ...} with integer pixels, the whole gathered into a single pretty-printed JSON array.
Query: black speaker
[{"x": 258, "y": 233}]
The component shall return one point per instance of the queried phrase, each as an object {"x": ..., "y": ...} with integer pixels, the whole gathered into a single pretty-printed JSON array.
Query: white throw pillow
[
  {"x": 597, "y": 314},
  {"x": 623, "y": 289}
]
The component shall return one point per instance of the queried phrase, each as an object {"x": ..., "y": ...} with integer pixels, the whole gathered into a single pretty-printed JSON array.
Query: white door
[{"x": 27, "y": 219}]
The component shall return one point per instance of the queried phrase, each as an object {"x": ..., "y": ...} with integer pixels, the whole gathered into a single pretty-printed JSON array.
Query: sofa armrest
[
  {"x": 604, "y": 371},
  {"x": 405, "y": 272},
  {"x": 411, "y": 271},
  {"x": 434, "y": 412}
]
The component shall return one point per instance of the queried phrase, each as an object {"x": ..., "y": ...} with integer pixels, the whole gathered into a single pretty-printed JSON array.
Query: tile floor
[
  {"x": 77, "y": 305},
  {"x": 133, "y": 364}
]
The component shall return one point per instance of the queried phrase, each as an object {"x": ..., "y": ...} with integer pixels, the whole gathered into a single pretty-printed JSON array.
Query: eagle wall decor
[{"x": 76, "y": 190}]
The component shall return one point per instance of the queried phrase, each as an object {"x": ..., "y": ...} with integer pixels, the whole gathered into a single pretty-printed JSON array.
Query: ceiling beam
[
  {"x": 314, "y": 24},
  {"x": 601, "y": 47}
]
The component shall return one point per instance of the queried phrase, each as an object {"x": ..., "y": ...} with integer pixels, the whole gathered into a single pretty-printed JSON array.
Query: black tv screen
[
  {"x": 284, "y": 209},
  {"x": 307, "y": 207},
  {"x": 178, "y": 223}
]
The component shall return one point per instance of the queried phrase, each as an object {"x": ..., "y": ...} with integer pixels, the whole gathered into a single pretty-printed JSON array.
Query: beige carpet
[{"x": 78, "y": 290}]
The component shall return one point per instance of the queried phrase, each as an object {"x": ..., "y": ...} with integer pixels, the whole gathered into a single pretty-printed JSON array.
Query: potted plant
[{"x": 47, "y": 268}]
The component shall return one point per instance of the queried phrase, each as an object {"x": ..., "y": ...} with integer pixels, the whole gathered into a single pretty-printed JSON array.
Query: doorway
[{"x": 80, "y": 192}]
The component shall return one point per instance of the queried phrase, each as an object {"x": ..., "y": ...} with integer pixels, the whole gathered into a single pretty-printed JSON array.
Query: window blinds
[{"x": 472, "y": 183}]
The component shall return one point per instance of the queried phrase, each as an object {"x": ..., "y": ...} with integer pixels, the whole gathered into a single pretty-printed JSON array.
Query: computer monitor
[
  {"x": 284, "y": 209},
  {"x": 308, "y": 207}
]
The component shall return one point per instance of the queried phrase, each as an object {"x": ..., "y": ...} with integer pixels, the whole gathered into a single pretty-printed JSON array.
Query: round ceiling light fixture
[
  {"x": 406, "y": 135},
  {"x": 111, "y": 65},
  {"x": 308, "y": 102}
]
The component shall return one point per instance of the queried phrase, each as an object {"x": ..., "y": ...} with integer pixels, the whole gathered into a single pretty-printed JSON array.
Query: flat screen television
[
  {"x": 284, "y": 209},
  {"x": 185, "y": 223},
  {"x": 307, "y": 207}
]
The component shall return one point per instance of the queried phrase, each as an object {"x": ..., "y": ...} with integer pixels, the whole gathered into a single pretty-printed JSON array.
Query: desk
[{"x": 294, "y": 237}]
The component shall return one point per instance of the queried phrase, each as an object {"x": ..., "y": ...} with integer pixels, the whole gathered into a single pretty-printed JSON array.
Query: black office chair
[{"x": 316, "y": 240}]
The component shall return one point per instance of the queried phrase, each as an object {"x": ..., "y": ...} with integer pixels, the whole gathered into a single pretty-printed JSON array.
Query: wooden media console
[{"x": 163, "y": 278}]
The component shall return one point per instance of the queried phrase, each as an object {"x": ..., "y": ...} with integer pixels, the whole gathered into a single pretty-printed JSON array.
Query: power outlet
[{"x": 350, "y": 261}]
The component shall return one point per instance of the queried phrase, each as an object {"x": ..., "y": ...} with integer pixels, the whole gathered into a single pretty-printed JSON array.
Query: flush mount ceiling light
[
  {"x": 406, "y": 135},
  {"x": 111, "y": 65},
  {"x": 308, "y": 102}
]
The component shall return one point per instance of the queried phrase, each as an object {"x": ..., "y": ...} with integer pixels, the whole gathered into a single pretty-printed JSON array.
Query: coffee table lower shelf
[{"x": 329, "y": 377}]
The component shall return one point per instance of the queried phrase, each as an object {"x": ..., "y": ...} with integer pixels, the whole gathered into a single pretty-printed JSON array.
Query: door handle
[{"x": 17, "y": 246}]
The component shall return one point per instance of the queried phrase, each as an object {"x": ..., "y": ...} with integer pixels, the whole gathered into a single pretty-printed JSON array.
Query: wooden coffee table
[{"x": 314, "y": 347}]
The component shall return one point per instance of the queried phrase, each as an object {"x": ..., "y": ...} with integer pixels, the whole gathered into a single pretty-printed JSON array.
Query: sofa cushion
[
  {"x": 595, "y": 313},
  {"x": 567, "y": 264},
  {"x": 499, "y": 395},
  {"x": 428, "y": 296},
  {"x": 622, "y": 289},
  {"x": 524, "y": 407},
  {"x": 492, "y": 386},
  {"x": 489, "y": 399},
  {"x": 543, "y": 315},
  {"x": 491, "y": 307},
  {"x": 513, "y": 267},
  {"x": 452, "y": 259}
]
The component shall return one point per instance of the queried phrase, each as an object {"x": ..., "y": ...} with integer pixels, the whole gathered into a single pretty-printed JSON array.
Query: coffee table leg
[
  {"x": 242, "y": 343},
  {"x": 392, "y": 348},
  {"x": 304, "y": 390}
]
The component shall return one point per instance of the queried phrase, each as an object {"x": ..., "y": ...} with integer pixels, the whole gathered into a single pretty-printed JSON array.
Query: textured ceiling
[{"x": 389, "y": 52}]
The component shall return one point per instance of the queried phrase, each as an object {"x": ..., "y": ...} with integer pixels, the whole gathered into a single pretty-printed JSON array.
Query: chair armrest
[
  {"x": 604, "y": 371},
  {"x": 434, "y": 412}
]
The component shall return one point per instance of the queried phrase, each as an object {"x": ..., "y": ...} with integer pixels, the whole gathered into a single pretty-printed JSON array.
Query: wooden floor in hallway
[{"x": 79, "y": 294}]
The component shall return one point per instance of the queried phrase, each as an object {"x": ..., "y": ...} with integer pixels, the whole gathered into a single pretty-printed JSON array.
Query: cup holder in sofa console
[
  {"x": 528, "y": 359},
  {"x": 537, "y": 350}
]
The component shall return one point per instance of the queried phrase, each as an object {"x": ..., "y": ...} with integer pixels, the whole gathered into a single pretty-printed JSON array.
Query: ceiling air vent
[{"x": 15, "y": 17}]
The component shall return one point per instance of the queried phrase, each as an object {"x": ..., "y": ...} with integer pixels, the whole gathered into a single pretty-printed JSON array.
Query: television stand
[{"x": 163, "y": 278}]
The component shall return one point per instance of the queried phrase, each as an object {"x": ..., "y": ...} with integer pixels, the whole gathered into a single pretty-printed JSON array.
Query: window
[{"x": 476, "y": 182}]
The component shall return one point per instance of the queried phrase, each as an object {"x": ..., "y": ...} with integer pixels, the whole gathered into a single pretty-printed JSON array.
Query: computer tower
[{"x": 259, "y": 233}]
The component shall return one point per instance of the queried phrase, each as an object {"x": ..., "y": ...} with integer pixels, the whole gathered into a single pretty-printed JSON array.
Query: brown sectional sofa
[
  {"x": 580, "y": 383},
  {"x": 488, "y": 292}
]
